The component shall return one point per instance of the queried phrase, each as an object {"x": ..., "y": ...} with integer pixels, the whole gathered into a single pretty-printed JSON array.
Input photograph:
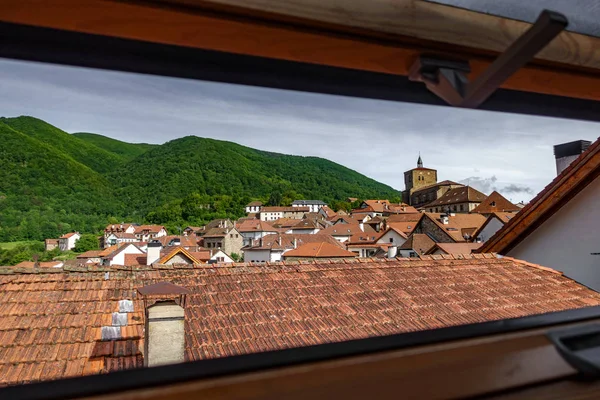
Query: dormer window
[{"x": 493, "y": 204}]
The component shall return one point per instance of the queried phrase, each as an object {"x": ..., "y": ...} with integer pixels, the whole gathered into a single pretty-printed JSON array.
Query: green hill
[
  {"x": 52, "y": 181},
  {"x": 128, "y": 151},
  {"x": 44, "y": 191},
  {"x": 86, "y": 153}
]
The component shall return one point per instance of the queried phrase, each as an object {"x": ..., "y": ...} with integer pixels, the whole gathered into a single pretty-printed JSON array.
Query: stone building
[{"x": 417, "y": 178}]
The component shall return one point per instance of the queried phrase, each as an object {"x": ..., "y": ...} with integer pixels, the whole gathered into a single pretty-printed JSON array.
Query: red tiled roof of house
[
  {"x": 348, "y": 230},
  {"x": 465, "y": 194},
  {"x": 409, "y": 217},
  {"x": 552, "y": 198},
  {"x": 454, "y": 248},
  {"x": 68, "y": 235},
  {"x": 318, "y": 250},
  {"x": 254, "y": 204},
  {"x": 44, "y": 264},
  {"x": 282, "y": 241},
  {"x": 50, "y": 322},
  {"x": 134, "y": 259},
  {"x": 256, "y": 225},
  {"x": 149, "y": 228},
  {"x": 419, "y": 242},
  {"x": 405, "y": 227},
  {"x": 328, "y": 211},
  {"x": 284, "y": 222},
  {"x": 90, "y": 254},
  {"x": 179, "y": 250},
  {"x": 52, "y": 241},
  {"x": 124, "y": 235},
  {"x": 495, "y": 202},
  {"x": 185, "y": 241},
  {"x": 458, "y": 224},
  {"x": 442, "y": 183}
]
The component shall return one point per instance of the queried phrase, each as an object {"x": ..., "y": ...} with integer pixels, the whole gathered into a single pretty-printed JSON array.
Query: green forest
[{"x": 53, "y": 182}]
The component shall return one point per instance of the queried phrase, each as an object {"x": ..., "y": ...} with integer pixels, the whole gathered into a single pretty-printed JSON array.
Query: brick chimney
[{"x": 164, "y": 323}]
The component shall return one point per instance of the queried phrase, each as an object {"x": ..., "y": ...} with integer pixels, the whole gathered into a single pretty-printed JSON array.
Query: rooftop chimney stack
[
  {"x": 566, "y": 153},
  {"x": 444, "y": 219},
  {"x": 165, "y": 323},
  {"x": 153, "y": 252},
  {"x": 392, "y": 251}
]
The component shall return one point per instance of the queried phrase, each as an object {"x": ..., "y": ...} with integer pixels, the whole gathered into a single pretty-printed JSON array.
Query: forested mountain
[
  {"x": 52, "y": 181},
  {"x": 128, "y": 151}
]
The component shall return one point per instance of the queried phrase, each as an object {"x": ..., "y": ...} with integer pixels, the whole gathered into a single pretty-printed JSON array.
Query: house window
[
  {"x": 493, "y": 204},
  {"x": 231, "y": 235},
  {"x": 391, "y": 240},
  {"x": 461, "y": 207}
]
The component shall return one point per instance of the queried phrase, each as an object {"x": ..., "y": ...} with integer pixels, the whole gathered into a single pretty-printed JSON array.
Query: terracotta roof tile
[
  {"x": 50, "y": 323},
  {"x": 495, "y": 202},
  {"x": 318, "y": 250},
  {"x": 465, "y": 194},
  {"x": 455, "y": 248}
]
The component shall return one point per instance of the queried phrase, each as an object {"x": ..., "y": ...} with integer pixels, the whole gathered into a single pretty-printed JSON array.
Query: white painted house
[
  {"x": 392, "y": 236},
  {"x": 493, "y": 224},
  {"x": 67, "y": 241},
  {"x": 254, "y": 207},
  {"x": 559, "y": 227},
  {"x": 313, "y": 205},
  {"x": 117, "y": 257}
]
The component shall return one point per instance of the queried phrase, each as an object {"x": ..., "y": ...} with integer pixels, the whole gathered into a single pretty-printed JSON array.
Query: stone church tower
[{"x": 416, "y": 178}]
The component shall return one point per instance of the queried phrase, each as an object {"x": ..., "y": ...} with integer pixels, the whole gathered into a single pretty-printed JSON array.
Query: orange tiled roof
[
  {"x": 419, "y": 242},
  {"x": 495, "y": 202},
  {"x": 256, "y": 225},
  {"x": 458, "y": 224},
  {"x": 282, "y": 241},
  {"x": 348, "y": 230},
  {"x": 318, "y": 250},
  {"x": 50, "y": 322},
  {"x": 179, "y": 250},
  {"x": 134, "y": 259},
  {"x": 44, "y": 264},
  {"x": 405, "y": 227},
  {"x": 454, "y": 248},
  {"x": 90, "y": 254},
  {"x": 284, "y": 209},
  {"x": 409, "y": 217},
  {"x": 186, "y": 241},
  {"x": 458, "y": 195},
  {"x": 68, "y": 235},
  {"x": 150, "y": 228},
  {"x": 572, "y": 180}
]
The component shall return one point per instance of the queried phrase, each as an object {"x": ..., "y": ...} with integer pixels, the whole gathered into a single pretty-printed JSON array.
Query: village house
[
  {"x": 459, "y": 200},
  {"x": 220, "y": 257},
  {"x": 424, "y": 195},
  {"x": 495, "y": 202},
  {"x": 145, "y": 233},
  {"x": 191, "y": 230},
  {"x": 273, "y": 213},
  {"x": 67, "y": 241},
  {"x": 392, "y": 237},
  {"x": 450, "y": 227},
  {"x": 494, "y": 222},
  {"x": 564, "y": 215},
  {"x": 216, "y": 223},
  {"x": 110, "y": 332},
  {"x": 453, "y": 248},
  {"x": 90, "y": 257},
  {"x": 343, "y": 232},
  {"x": 327, "y": 212},
  {"x": 230, "y": 240},
  {"x": 364, "y": 244},
  {"x": 271, "y": 248},
  {"x": 317, "y": 252},
  {"x": 404, "y": 222},
  {"x": 253, "y": 207},
  {"x": 416, "y": 245},
  {"x": 252, "y": 229},
  {"x": 304, "y": 226},
  {"x": 119, "y": 238},
  {"x": 313, "y": 205},
  {"x": 117, "y": 255},
  {"x": 51, "y": 244}
]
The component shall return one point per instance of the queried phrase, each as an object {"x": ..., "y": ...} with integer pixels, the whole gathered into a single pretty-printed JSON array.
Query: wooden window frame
[{"x": 319, "y": 61}]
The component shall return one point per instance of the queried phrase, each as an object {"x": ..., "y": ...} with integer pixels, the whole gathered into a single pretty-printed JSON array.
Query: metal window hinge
[{"x": 448, "y": 80}]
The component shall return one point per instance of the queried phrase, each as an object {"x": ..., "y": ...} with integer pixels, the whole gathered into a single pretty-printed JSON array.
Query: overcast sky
[{"x": 381, "y": 139}]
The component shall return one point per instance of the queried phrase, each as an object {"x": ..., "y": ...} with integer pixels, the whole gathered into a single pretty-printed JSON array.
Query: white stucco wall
[
  {"x": 492, "y": 227},
  {"x": 119, "y": 259},
  {"x": 398, "y": 240},
  {"x": 564, "y": 242},
  {"x": 257, "y": 255}
]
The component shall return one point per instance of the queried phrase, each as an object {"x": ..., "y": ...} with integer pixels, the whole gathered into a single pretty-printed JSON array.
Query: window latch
[
  {"x": 580, "y": 347},
  {"x": 447, "y": 78}
]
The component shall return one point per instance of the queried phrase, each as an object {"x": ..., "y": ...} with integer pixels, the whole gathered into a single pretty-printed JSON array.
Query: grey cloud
[
  {"x": 380, "y": 139},
  {"x": 484, "y": 185},
  {"x": 515, "y": 189}
]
